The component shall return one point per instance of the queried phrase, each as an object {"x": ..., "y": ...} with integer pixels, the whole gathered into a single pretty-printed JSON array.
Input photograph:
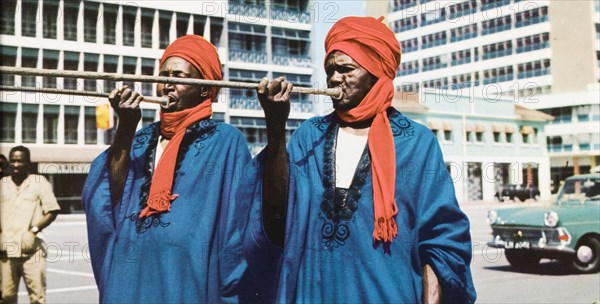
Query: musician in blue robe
[
  {"x": 336, "y": 217},
  {"x": 164, "y": 225}
]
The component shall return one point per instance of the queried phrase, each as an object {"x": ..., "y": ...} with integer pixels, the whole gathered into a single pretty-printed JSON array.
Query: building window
[
  {"x": 129, "y": 67},
  {"x": 8, "y": 112},
  {"x": 71, "y": 63},
  {"x": 164, "y": 28},
  {"x": 148, "y": 116},
  {"x": 91, "y": 132},
  {"x": 29, "y": 58},
  {"x": 147, "y": 23},
  {"x": 497, "y": 137},
  {"x": 461, "y": 57},
  {"x": 406, "y": 24},
  {"x": 29, "y": 115},
  {"x": 534, "y": 69},
  {"x": 28, "y": 18},
  {"x": 71, "y": 124},
  {"x": 509, "y": 137},
  {"x": 528, "y": 133},
  {"x": 290, "y": 47},
  {"x": 7, "y": 24},
  {"x": 50, "y": 63},
  {"x": 479, "y": 137},
  {"x": 433, "y": 40},
  {"x": 532, "y": 43},
  {"x": 496, "y": 75},
  {"x": 71, "y": 12},
  {"x": 147, "y": 69},
  {"x": 129, "y": 19},
  {"x": 8, "y": 57},
  {"x": 462, "y": 9},
  {"x": 436, "y": 83},
  {"x": 216, "y": 29},
  {"x": 408, "y": 68},
  {"x": 470, "y": 136},
  {"x": 90, "y": 16},
  {"x": 461, "y": 81},
  {"x": 463, "y": 32},
  {"x": 409, "y": 45},
  {"x": 495, "y": 25},
  {"x": 51, "y": 124},
  {"x": 90, "y": 64},
  {"x": 433, "y": 16},
  {"x": 495, "y": 50},
  {"x": 247, "y": 42},
  {"x": 533, "y": 16},
  {"x": 182, "y": 24},
  {"x": 111, "y": 63},
  {"x": 199, "y": 23},
  {"x": 435, "y": 63},
  {"x": 50, "y": 19},
  {"x": 448, "y": 135},
  {"x": 561, "y": 115},
  {"x": 110, "y": 23}
]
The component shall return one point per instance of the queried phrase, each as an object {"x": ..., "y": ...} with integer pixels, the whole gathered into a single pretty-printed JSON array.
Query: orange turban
[
  {"x": 202, "y": 55},
  {"x": 375, "y": 47}
]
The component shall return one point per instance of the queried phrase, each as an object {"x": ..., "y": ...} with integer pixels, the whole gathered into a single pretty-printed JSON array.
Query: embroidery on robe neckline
[
  {"x": 194, "y": 136},
  {"x": 338, "y": 205}
]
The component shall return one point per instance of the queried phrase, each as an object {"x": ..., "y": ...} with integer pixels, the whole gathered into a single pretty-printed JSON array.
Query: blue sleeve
[
  {"x": 264, "y": 258},
  {"x": 444, "y": 239},
  {"x": 96, "y": 200},
  {"x": 236, "y": 284}
]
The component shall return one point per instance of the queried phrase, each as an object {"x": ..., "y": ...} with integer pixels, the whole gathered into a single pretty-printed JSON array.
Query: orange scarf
[
  {"x": 204, "y": 57},
  {"x": 374, "y": 46},
  {"x": 172, "y": 127}
]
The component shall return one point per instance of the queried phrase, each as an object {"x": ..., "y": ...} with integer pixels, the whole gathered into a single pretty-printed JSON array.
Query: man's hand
[
  {"x": 126, "y": 104},
  {"x": 274, "y": 98}
]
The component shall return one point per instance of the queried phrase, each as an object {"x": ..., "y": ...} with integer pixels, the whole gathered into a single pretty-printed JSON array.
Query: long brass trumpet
[{"x": 137, "y": 78}]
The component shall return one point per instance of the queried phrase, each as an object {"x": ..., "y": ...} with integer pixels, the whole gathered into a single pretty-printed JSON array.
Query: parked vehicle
[
  {"x": 566, "y": 230},
  {"x": 512, "y": 191}
]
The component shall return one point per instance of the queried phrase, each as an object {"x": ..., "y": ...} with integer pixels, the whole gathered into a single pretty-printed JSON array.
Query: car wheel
[
  {"x": 520, "y": 258},
  {"x": 587, "y": 256}
]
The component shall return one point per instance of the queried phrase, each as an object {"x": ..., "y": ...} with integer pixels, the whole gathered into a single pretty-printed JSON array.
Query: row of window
[
  {"x": 76, "y": 61},
  {"x": 525, "y": 70},
  {"x": 523, "y": 44},
  {"x": 525, "y": 18},
  {"x": 109, "y": 15},
  {"x": 476, "y": 133},
  {"x": 74, "y": 119},
  {"x": 584, "y": 113}
]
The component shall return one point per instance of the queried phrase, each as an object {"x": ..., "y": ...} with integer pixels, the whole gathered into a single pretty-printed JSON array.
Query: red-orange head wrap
[
  {"x": 202, "y": 55},
  {"x": 375, "y": 47}
]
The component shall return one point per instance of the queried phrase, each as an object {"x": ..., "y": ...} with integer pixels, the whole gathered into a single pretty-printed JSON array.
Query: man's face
[
  {"x": 352, "y": 79},
  {"x": 19, "y": 163},
  {"x": 180, "y": 96}
]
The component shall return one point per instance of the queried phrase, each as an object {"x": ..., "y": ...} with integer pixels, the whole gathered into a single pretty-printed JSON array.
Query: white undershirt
[
  {"x": 349, "y": 149},
  {"x": 160, "y": 148}
]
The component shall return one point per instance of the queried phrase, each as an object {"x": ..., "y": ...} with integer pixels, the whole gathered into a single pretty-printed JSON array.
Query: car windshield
[{"x": 580, "y": 190}]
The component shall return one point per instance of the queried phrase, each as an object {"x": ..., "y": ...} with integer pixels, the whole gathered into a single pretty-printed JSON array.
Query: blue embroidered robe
[
  {"x": 329, "y": 255},
  {"x": 191, "y": 253}
]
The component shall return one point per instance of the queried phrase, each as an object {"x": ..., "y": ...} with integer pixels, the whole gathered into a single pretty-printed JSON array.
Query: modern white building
[
  {"x": 520, "y": 47},
  {"x": 254, "y": 39},
  {"x": 487, "y": 143}
]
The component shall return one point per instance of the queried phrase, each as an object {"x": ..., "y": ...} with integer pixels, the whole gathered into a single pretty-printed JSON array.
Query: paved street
[{"x": 70, "y": 278}]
